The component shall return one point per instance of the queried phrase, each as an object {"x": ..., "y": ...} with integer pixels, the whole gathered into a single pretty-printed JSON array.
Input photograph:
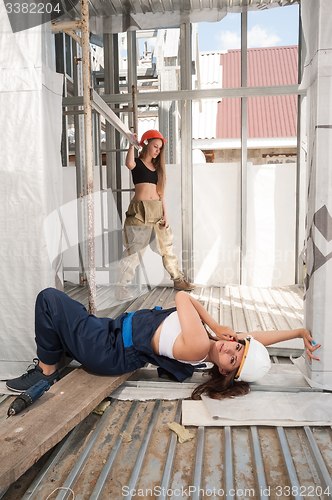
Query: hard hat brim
[{"x": 246, "y": 349}]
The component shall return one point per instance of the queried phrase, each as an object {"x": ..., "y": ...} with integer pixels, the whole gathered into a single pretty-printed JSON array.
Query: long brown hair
[
  {"x": 159, "y": 165},
  {"x": 220, "y": 386}
]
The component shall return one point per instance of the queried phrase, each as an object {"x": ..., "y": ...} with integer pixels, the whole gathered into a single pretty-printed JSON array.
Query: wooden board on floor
[{"x": 25, "y": 437}]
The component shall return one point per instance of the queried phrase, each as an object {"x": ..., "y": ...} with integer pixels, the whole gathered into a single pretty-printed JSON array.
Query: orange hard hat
[{"x": 151, "y": 134}]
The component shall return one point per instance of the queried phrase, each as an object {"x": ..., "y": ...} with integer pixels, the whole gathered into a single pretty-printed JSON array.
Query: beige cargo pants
[{"x": 143, "y": 227}]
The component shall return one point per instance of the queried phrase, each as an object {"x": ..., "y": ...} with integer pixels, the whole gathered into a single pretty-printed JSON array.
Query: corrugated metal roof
[
  {"x": 210, "y": 69},
  {"x": 205, "y": 113},
  {"x": 272, "y": 116}
]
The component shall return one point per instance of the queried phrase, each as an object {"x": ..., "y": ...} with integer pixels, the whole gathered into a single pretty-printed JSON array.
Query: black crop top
[{"x": 141, "y": 173}]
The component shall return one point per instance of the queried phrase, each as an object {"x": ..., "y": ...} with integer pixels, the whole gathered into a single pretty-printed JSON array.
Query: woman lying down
[{"x": 175, "y": 340}]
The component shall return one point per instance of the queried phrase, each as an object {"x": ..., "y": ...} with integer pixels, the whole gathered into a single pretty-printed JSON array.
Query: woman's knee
[
  {"x": 47, "y": 292},
  {"x": 46, "y": 298}
]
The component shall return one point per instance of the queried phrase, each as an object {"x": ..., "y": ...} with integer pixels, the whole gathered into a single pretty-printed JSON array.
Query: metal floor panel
[
  {"x": 96, "y": 460},
  {"x": 243, "y": 308}
]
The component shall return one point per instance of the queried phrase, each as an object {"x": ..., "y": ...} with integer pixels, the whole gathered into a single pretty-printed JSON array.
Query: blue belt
[{"x": 127, "y": 329}]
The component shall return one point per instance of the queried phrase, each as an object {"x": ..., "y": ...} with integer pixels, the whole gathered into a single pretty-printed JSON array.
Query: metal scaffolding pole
[
  {"x": 79, "y": 161},
  {"x": 88, "y": 154},
  {"x": 244, "y": 152},
  {"x": 113, "y": 159},
  {"x": 92, "y": 100},
  {"x": 300, "y": 166},
  {"x": 186, "y": 154},
  {"x": 132, "y": 69}
]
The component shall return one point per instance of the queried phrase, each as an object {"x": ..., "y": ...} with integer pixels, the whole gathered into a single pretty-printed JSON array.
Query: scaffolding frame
[
  {"x": 185, "y": 96},
  {"x": 91, "y": 100}
]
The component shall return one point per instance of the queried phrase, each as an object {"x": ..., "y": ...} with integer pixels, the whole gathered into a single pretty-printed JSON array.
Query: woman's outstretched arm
[{"x": 275, "y": 336}]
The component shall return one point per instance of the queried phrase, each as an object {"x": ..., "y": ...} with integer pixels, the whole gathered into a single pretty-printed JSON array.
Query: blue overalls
[{"x": 103, "y": 345}]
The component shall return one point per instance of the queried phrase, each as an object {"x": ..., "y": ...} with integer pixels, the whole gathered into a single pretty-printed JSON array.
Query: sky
[{"x": 268, "y": 28}]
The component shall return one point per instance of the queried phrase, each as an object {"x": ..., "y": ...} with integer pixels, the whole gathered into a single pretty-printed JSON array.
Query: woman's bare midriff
[
  {"x": 146, "y": 191},
  {"x": 155, "y": 339}
]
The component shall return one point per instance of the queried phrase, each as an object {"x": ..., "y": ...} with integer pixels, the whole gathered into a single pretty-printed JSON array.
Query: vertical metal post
[
  {"x": 132, "y": 67},
  {"x": 300, "y": 165},
  {"x": 135, "y": 109},
  {"x": 244, "y": 152},
  {"x": 186, "y": 153},
  {"x": 167, "y": 115},
  {"x": 80, "y": 174},
  {"x": 113, "y": 159},
  {"x": 88, "y": 154},
  {"x": 132, "y": 81},
  {"x": 61, "y": 68}
]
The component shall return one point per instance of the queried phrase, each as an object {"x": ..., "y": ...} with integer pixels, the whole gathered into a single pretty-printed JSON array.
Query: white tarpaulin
[
  {"x": 30, "y": 185},
  {"x": 260, "y": 408}
]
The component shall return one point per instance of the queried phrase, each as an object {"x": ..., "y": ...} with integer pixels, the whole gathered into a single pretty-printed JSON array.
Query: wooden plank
[{"x": 24, "y": 438}]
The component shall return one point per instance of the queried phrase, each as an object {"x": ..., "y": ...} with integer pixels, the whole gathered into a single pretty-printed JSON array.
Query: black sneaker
[{"x": 30, "y": 378}]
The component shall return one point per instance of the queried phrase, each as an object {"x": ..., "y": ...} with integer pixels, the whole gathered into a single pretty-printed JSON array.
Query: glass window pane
[
  {"x": 271, "y": 191},
  {"x": 217, "y": 223}
]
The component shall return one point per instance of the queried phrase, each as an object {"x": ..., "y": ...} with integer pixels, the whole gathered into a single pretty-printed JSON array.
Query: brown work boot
[
  {"x": 183, "y": 284},
  {"x": 121, "y": 293}
]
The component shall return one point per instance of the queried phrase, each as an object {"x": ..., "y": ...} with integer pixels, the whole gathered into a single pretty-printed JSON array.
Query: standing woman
[{"x": 146, "y": 218}]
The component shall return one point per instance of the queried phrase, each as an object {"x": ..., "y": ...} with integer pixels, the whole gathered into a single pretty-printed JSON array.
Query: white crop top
[{"x": 170, "y": 331}]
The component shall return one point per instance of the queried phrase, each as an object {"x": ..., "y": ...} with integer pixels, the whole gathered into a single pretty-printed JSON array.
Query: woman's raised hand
[
  {"x": 226, "y": 333},
  {"x": 309, "y": 344}
]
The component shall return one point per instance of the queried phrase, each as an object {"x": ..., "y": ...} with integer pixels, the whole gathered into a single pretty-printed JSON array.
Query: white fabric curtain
[{"x": 30, "y": 185}]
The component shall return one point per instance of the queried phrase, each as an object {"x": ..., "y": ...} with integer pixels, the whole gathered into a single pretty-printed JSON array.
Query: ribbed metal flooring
[
  {"x": 247, "y": 462},
  {"x": 243, "y": 308},
  {"x": 96, "y": 462}
]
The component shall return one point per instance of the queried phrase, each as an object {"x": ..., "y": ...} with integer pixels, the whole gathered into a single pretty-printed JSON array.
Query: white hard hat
[{"x": 255, "y": 362}]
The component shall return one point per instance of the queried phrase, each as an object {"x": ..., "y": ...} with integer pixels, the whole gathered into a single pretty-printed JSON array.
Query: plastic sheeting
[
  {"x": 302, "y": 365},
  {"x": 273, "y": 407},
  {"x": 282, "y": 409},
  {"x": 30, "y": 185},
  {"x": 317, "y": 79}
]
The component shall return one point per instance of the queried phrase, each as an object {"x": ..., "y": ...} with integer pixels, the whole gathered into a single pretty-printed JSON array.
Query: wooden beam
[
  {"x": 25, "y": 437},
  {"x": 66, "y": 25}
]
